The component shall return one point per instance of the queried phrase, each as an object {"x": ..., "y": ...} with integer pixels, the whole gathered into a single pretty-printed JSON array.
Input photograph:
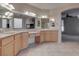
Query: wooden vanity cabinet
[
  {"x": 7, "y": 46},
  {"x": 54, "y": 36},
  {"x": 51, "y": 36},
  {"x": 37, "y": 38},
  {"x": 17, "y": 43},
  {"x": 25, "y": 37},
  {"x": 42, "y": 36},
  {"x": 8, "y": 50},
  {"x": 48, "y": 36},
  {"x": 11, "y": 45}
]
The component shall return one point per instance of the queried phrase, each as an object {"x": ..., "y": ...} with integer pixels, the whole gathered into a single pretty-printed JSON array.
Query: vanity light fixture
[
  {"x": 26, "y": 12},
  {"x": 10, "y": 14},
  {"x": 53, "y": 19},
  {"x": 30, "y": 13},
  {"x": 43, "y": 16},
  {"x": 8, "y": 17},
  {"x": 6, "y": 13}
]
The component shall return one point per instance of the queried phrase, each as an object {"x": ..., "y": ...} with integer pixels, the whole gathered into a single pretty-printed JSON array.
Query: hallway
[{"x": 52, "y": 49}]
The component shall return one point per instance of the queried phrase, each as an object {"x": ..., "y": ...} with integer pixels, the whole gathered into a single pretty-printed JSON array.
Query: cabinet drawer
[
  {"x": 42, "y": 36},
  {"x": 7, "y": 40},
  {"x": 8, "y": 50}
]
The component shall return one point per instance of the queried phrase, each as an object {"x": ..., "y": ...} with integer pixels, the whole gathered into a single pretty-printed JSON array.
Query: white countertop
[
  {"x": 16, "y": 31},
  {"x": 9, "y": 33},
  {"x": 4, "y": 35}
]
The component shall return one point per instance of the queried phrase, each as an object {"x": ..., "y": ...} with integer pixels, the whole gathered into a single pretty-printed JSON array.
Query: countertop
[{"x": 9, "y": 32}]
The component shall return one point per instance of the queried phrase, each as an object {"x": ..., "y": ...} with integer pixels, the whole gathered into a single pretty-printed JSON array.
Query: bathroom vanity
[{"x": 12, "y": 43}]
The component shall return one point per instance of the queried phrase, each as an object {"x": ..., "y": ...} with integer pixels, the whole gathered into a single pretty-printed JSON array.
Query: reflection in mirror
[
  {"x": 52, "y": 22},
  {"x": 6, "y": 20},
  {"x": 6, "y": 15},
  {"x": 44, "y": 23}
]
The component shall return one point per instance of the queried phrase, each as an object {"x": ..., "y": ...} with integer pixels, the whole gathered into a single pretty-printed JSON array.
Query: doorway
[{"x": 70, "y": 25}]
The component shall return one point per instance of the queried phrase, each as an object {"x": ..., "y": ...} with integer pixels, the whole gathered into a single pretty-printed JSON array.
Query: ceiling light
[
  {"x": 53, "y": 20},
  {"x": 26, "y": 12},
  {"x": 44, "y": 16},
  {"x": 10, "y": 14},
  {"x": 30, "y": 13},
  {"x": 7, "y": 13},
  {"x": 11, "y": 6},
  {"x": 7, "y": 16}
]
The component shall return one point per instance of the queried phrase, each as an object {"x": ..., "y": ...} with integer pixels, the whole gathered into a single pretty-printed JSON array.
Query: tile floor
[{"x": 52, "y": 49}]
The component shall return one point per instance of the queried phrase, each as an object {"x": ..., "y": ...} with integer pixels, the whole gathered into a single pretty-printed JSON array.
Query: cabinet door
[
  {"x": 17, "y": 43},
  {"x": 47, "y": 36},
  {"x": 8, "y": 50},
  {"x": 42, "y": 36},
  {"x": 25, "y": 40},
  {"x": 51, "y": 36},
  {"x": 54, "y": 35}
]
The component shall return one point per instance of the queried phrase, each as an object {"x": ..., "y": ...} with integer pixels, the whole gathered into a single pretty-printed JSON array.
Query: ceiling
[{"x": 48, "y": 5}]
